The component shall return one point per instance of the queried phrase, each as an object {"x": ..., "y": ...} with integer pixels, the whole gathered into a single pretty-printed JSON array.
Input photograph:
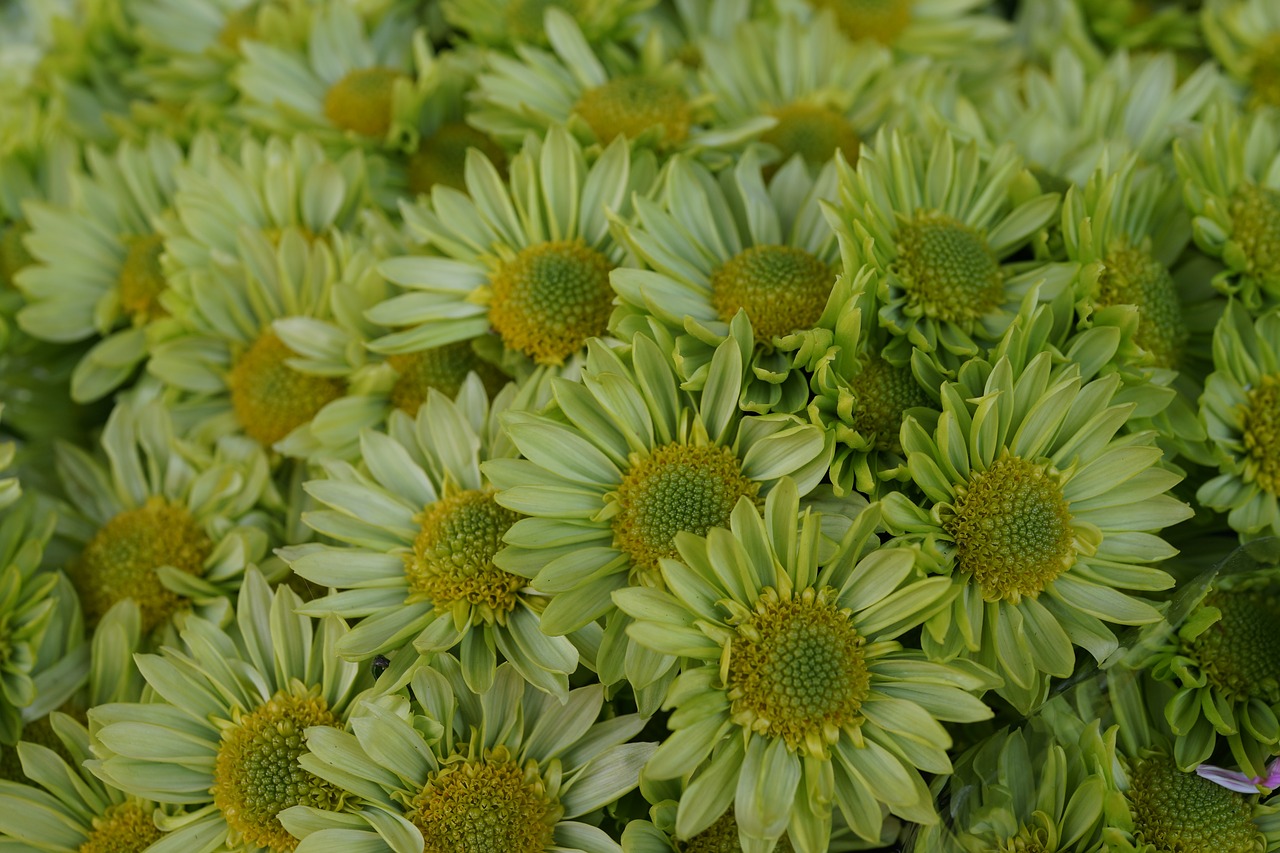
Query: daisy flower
[
  {"x": 717, "y": 248},
  {"x": 1244, "y": 36},
  {"x": 231, "y": 715},
  {"x": 422, "y": 529},
  {"x": 504, "y": 24},
  {"x": 97, "y": 272},
  {"x": 167, "y": 523},
  {"x": 795, "y": 694},
  {"x": 937, "y": 227},
  {"x": 528, "y": 259},
  {"x": 1040, "y": 511},
  {"x": 623, "y": 462},
  {"x": 1241, "y": 410},
  {"x": 510, "y": 769},
  {"x": 1231, "y": 183}
]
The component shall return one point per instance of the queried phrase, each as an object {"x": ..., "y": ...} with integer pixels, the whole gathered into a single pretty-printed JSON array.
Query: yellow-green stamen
[
  {"x": 269, "y": 397},
  {"x": 1261, "y": 433},
  {"x": 815, "y": 133},
  {"x": 443, "y": 368},
  {"x": 783, "y": 289},
  {"x": 1255, "y": 219},
  {"x": 947, "y": 269},
  {"x": 884, "y": 394},
  {"x": 122, "y": 828},
  {"x": 882, "y": 20},
  {"x": 629, "y": 106},
  {"x": 1132, "y": 276},
  {"x": 722, "y": 837},
  {"x": 1182, "y": 812},
  {"x": 1264, "y": 76},
  {"x": 1240, "y": 653},
  {"x": 141, "y": 279},
  {"x": 362, "y": 101}
]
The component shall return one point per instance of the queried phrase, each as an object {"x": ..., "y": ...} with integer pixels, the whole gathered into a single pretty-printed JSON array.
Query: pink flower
[{"x": 1237, "y": 781}]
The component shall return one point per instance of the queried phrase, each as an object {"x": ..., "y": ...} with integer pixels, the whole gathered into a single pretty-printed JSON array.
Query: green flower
[
  {"x": 795, "y": 696},
  {"x": 424, "y": 532},
  {"x": 1244, "y": 36},
  {"x": 507, "y": 770},
  {"x": 505, "y": 24},
  {"x": 715, "y": 249},
  {"x": 1040, "y": 511},
  {"x": 623, "y": 462},
  {"x": 936, "y": 227},
  {"x": 1241, "y": 411},
  {"x": 227, "y": 724}
]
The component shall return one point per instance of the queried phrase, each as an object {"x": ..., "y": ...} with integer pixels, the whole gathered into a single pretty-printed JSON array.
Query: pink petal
[{"x": 1232, "y": 779}]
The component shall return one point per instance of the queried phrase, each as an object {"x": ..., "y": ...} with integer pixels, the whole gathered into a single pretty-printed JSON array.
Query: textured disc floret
[
  {"x": 677, "y": 487},
  {"x": 1132, "y": 276},
  {"x": 629, "y": 106},
  {"x": 121, "y": 559},
  {"x": 798, "y": 671},
  {"x": 141, "y": 279},
  {"x": 443, "y": 368},
  {"x": 882, "y": 20},
  {"x": 1261, "y": 433},
  {"x": 1012, "y": 529},
  {"x": 441, "y": 158},
  {"x": 885, "y": 393},
  {"x": 452, "y": 560},
  {"x": 722, "y": 837},
  {"x": 814, "y": 132},
  {"x": 269, "y": 397},
  {"x": 1240, "y": 653},
  {"x": 1183, "y": 813},
  {"x": 947, "y": 269},
  {"x": 489, "y": 804},
  {"x": 123, "y": 828},
  {"x": 550, "y": 298},
  {"x": 257, "y": 774},
  {"x": 782, "y": 288},
  {"x": 1255, "y": 216},
  {"x": 362, "y": 100}
]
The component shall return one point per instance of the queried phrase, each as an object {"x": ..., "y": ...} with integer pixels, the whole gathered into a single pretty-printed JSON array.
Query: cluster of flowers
[{"x": 448, "y": 426}]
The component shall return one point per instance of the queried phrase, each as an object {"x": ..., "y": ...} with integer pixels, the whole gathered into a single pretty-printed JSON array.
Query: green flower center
[
  {"x": 882, "y": 20},
  {"x": 122, "y": 828},
  {"x": 1262, "y": 432},
  {"x": 884, "y": 393},
  {"x": 550, "y": 298},
  {"x": 270, "y": 398},
  {"x": 39, "y": 731},
  {"x": 362, "y": 101},
  {"x": 443, "y": 368},
  {"x": 121, "y": 559},
  {"x": 722, "y": 837},
  {"x": 629, "y": 106},
  {"x": 452, "y": 560},
  {"x": 1264, "y": 77},
  {"x": 1240, "y": 653},
  {"x": 525, "y": 19},
  {"x": 783, "y": 289},
  {"x": 441, "y": 158},
  {"x": 141, "y": 279},
  {"x": 1182, "y": 813},
  {"x": 815, "y": 133},
  {"x": 485, "y": 805},
  {"x": 947, "y": 269},
  {"x": 14, "y": 257},
  {"x": 1255, "y": 220},
  {"x": 1012, "y": 529},
  {"x": 798, "y": 671},
  {"x": 677, "y": 487},
  {"x": 1133, "y": 276},
  {"x": 257, "y": 776}
]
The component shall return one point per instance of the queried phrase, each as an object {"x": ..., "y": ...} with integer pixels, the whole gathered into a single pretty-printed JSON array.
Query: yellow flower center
[
  {"x": 1240, "y": 653},
  {"x": 884, "y": 393},
  {"x": 947, "y": 269},
  {"x": 1264, "y": 77},
  {"x": 1012, "y": 529},
  {"x": 1255, "y": 219},
  {"x": 269, "y": 397},
  {"x": 362, "y": 101},
  {"x": 490, "y": 804},
  {"x": 815, "y": 133},
  {"x": 240, "y": 24},
  {"x": 441, "y": 158},
  {"x": 1262, "y": 433},
  {"x": 14, "y": 257},
  {"x": 629, "y": 106},
  {"x": 1183, "y": 813},
  {"x": 798, "y": 671},
  {"x": 452, "y": 560},
  {"x": 1132, "y": 276},
  {"x": 550, "y": 298},
  {"x": 122, "y": 828},
  {"x": 121, "y": 559},
  {"x": 722, "y": 837},
  {"x": 882, "y": 20},
  {"x": 257, "y": 776},
  {"x": 783, "y": 289},
  {"x": 526, "y": 19},
  {"x": 443, "y": 368},
  {"x": 677, "y": 487},
  {"x": 141, "y": 279}
]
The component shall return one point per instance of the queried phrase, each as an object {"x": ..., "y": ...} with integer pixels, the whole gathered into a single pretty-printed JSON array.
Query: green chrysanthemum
[
  {"x": 507, "y": 770},
  {"x": 229, "y": 724},
  {"x": 507, "y": 23},
  {"x": 797, "y": 696},
  {"x": 1041, "y": 512},
  {"x": 716, "y": 248},
  {"x": 1241, "y": 411},
  {"x": 937, "y": 226},
  {"x": 424, "y": 531},
  {"x": 1244, "y": 36},
  {"x": 623, "y": 462}
]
